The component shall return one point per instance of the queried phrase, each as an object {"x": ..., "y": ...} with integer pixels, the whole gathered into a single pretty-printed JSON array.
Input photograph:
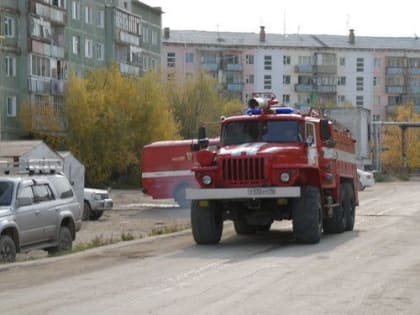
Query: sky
[{"x": 385, "y": 18}]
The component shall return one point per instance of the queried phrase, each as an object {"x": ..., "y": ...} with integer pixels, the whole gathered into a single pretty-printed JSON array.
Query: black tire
[
  {"x": 64, "y": 242},
  {"x": 206, "y": 222},
  {"x": 179, "y": 196},
  {"x": 86, "y": 211},
  {"x": 307, "y": 216},
  {"x": 264, "y": 228},
  {"x": 95, "y": 214},
  {"x": 349, "y": 208},
  {"x": 338, "y": 222},
  {"x": 7, "y": 249},
  {"x": 243, "y": 228}
]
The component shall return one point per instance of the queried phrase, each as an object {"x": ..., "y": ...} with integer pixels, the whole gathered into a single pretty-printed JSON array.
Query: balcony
[
  {"x": 233, "y": 67},
  {"x": 308, "y": 88},
  {"x": 413, "y": 90},
  {"x": 129, "y": 69},
  {"x": 303, "y": 68},
  {"x": 234, "y": 87},
  {"x": 414, "y": 71},
  {"x": 325, "y": 68},
  {"x": 394, "y": 71},
  {"x": 127, "y": 38},
  {"x": 394, "y": 89},
  {"x": 49, "y": 13},
  {"x": 210, "y": 66},
  {"x": 47, "y": 49},
  {"x": 39, "y": 85}
]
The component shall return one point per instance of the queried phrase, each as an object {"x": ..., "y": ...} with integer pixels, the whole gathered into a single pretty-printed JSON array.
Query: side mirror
[
  {"x": 203, "y": 141},
  {"x": 23, "y": 201},
  {"x": 324, "y": 128}
]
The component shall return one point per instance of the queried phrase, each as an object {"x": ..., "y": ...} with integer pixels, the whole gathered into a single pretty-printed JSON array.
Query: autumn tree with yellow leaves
[{"x": 392, "y": 155}]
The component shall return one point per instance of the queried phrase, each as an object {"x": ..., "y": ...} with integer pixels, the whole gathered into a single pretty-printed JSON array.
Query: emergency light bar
[
  {"x": 278, "y": 110},
  {"x": 32, "y": 166}
]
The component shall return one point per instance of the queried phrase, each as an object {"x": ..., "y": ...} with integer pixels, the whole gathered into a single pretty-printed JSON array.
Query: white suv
[
  {"x": 96, "y": 201},
  {"x": 37, "y": 212}
]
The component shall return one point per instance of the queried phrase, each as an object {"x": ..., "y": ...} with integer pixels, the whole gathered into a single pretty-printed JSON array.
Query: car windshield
[
  {"x": 6, "y": 193},
  {"x": 266, "y": 131}
]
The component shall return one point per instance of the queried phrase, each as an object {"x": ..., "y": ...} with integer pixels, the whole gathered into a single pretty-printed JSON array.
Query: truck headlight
[
  {"x": 206, "y": 180},
  {"x": 284, "y": 177}
]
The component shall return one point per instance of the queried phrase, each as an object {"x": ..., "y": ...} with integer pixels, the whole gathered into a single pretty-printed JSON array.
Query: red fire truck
[
  {"x": 274, "y": 163},
  {"x": 166, "y": 169}
]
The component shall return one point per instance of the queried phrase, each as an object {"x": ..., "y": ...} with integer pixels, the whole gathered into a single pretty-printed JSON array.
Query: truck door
[{"x": 310, "y": 138}]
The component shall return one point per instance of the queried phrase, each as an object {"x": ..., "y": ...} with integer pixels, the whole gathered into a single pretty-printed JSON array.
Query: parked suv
[
  {"x": 96, "y": 201},
  {"x": 37, "y": 211}
]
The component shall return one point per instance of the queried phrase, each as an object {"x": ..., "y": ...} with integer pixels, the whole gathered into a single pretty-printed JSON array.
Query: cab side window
[
  {"x": 26, "y": 192},
  {"x": 42, "y": 193},
  {"x": 310, "y": 133}
]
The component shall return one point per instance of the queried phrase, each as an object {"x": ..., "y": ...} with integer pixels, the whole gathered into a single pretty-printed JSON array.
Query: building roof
[
  {"x": 17, "y": 148},
  {"x": 290, "y": 40}
]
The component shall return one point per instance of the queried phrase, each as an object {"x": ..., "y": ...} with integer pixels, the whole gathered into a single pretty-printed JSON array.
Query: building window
[
  {"x": 377, "y": 62},
  {"x": 286, "y": 60},
  {"x": 359, "y": 84},
  {"x": 171, "y": 76},
  {"x": 341, "y": 99},
  {"x": 76, "y": 45},
  {"x": 267, "y": 82},
  {"x": 286, "y": 98},
  {"x": 41, "y": 66},
  {"x": 341, "y": 81},
  {"x": 360, "y": 63},
  {"x": 342, "y": 61},
  {"x": 189, "y": 57},
  {"x": 145, "y": 64},
  {"x": 10, "y": 64},
  {"x": 9, "y": 26},
  {"x": 249, "y": 79},
  {"x": 267, "y": 62},
  {"x": 75, "y": 10},
  {"x": 286, "y": 79},
  {"x": 100, "y": 18},
  {"x": 154, "y": 37},
  {"x": 88, "y": 15},
  {"x": 88, "y": 48},
  {"x": 99, "y": 51},
  {"x": 11, "y": 106},
  {"x": 171, "y": 59},
  {"x": 376, "y": 81},
  {"x": 359, "y": 100},
  {"x": 249, "y": 59}
]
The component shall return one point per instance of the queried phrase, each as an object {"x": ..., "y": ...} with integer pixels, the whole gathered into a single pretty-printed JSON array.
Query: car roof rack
[{"x": 31, "y": 166}]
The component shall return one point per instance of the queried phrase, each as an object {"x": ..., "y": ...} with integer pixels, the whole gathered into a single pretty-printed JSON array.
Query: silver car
[
  {"x": 96, "y": 201},
  {"x": 37, "y": 212}
]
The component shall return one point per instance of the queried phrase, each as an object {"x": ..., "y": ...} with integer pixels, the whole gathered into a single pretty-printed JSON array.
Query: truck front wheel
[
  {"x": 206, "y": 222},
  {"x": 307, "y": 216}
]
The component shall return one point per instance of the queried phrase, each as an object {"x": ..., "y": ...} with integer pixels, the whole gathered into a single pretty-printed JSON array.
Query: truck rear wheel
[
  {"x": 206, "y": 222},
  {"x": 307, "y": 216},
  {"x": 338, "y": 222}
]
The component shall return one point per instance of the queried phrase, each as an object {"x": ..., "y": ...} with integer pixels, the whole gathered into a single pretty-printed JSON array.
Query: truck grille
[{"x": 243, "y": 171}]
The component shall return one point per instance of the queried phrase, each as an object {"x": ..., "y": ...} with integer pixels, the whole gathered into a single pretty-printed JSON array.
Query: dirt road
[{"x": 374, "y": 269}]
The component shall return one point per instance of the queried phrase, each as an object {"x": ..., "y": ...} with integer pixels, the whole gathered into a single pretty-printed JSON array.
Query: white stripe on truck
[{"x": 167, "y": 174}]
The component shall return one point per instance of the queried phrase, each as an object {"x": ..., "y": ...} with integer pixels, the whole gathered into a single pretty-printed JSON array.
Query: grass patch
[{"x": 167, "y": 229}]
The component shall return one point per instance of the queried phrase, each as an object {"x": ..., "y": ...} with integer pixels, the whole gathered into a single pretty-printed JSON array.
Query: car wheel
[
  {"x": 95, "y": 215},
  {"x": 65, "y": 241},
  {"x": 7, "y": 249},
  {"x": 86, "y": 211}
]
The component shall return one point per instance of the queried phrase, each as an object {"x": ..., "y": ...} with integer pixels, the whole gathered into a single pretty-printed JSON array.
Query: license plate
[{"x": 261, "y": 191}]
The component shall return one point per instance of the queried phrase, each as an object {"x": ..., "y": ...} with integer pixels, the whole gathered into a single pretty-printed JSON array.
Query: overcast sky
[{"x": 335, "y": 17}]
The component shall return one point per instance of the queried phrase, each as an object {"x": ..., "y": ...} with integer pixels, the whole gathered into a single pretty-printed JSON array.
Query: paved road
[{"x": 373, "y": 270}]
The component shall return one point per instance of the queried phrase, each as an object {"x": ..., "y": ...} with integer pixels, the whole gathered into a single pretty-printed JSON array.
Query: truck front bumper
[{"x": 242, "y": 193}]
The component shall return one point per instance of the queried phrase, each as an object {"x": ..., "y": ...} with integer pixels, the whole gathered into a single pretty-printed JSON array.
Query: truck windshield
[
  {"x": 266, "y": 131},
  {"x": 6, "y": 193}
]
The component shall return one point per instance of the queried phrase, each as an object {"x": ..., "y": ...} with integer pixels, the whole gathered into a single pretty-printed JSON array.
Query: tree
[
  {"x": 196, "y": 103},
  {"x": 391, "y": 157},
  {"x": 111, "y": 116}
]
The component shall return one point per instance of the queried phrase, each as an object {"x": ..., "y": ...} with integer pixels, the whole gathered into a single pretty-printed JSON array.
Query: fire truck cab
[{"x": 274, "y": 163}]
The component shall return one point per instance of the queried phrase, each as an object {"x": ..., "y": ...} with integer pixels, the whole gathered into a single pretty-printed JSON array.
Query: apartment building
[
  {"x": 42, "y": 41},
  {"x": 376, "y": 73}
]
